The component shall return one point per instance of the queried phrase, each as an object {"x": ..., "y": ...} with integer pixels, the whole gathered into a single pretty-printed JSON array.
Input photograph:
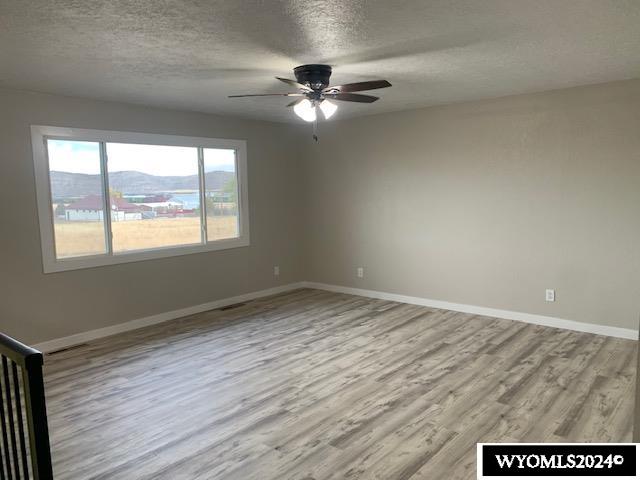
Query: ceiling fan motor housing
[{"x": 315, "y": 75}]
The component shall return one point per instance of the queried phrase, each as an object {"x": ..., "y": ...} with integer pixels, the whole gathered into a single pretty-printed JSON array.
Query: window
[
  {"x": 221, "y": 193},
  {"x": 157, "y": 183},
  {"x": 75, "y": 169},
  {"x": 165, "y": 195}
]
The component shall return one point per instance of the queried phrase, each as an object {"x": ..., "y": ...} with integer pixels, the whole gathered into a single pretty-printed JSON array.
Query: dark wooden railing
[
  {"x": 24, "y": 448},
  {"x": 636, "y": 412}
]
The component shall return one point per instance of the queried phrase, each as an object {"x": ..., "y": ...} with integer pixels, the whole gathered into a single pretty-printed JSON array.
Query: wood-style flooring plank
[{"x": 317, "y": 385}]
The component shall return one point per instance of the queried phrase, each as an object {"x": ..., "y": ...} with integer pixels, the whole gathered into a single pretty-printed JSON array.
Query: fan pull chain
[{"x": 315, "y": 129}]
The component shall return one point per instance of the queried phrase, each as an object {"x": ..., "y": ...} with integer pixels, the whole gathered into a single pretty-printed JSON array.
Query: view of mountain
[{"x": 69, "y": 185}]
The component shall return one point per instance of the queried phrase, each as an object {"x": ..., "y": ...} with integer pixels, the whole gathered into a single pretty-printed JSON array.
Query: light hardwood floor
[{"x": 317, "y": 385}]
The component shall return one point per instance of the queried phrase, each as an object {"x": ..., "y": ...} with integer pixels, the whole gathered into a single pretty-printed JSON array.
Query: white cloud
[
  {"x": 152, "y": 159},
  {"x": 75, "y": 157},
  {"x": 218, "y": 159},
  {"x": 84, "y": 157}
]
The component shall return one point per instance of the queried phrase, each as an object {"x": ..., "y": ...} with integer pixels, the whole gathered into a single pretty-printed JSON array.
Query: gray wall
[
  {"x": 35, "y": 307},
  {"x": 487, "y": 203},
  {"x": 484, "y": 203}
]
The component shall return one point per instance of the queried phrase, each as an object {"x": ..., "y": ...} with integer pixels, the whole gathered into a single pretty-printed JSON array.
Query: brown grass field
[{"x": 86, "y": 238}]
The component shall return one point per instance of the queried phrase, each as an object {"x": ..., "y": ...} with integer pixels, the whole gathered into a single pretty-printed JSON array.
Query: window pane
[
  {"x": 76, "y": 198},
  {"x": 155, "y": 199},
  {"x": 221, "y": 190}
]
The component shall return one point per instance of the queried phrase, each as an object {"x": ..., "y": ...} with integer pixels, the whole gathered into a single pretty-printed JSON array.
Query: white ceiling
[{"x": 191, "y": 54}]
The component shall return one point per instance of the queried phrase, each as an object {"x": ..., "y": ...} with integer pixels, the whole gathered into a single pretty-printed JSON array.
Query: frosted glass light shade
[
  {"x": 328, "y": 108},
  {"x": 305, "y": 110}
]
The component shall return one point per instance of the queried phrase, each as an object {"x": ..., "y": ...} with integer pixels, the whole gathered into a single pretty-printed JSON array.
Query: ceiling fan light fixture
[
  {"x": 313, "y": 90},
  {"x": 306, "y": 110},
  {"x": 328, "y": 108}
]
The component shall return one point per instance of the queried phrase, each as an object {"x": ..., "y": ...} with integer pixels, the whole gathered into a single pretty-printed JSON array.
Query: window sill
[{"x": 92, "y": 261}]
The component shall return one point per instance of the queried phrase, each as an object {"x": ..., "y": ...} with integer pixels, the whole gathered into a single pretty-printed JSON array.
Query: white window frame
[{"x": 41, "y": 133}]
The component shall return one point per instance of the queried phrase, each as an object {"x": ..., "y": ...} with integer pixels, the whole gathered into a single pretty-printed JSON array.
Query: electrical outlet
[
  {"x": 550, "y": 295},
  {"x": 276, "y": 271},
  {"x": 360, "y": 272}
]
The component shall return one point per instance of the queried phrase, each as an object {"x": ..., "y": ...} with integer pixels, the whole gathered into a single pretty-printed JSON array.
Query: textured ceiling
[{"x": 191, "y": 54}]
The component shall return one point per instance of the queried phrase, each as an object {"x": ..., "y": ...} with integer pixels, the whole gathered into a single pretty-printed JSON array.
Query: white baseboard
[
  {"x": 71, "y": 340},
  {"x": 66, "y": 342},
  {"x": 489, "y": 312}
]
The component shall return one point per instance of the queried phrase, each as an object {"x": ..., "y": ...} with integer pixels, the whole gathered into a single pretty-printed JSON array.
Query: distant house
[
  {"x": 89, "y": 209},
  {"x": 167, "y": 208}
]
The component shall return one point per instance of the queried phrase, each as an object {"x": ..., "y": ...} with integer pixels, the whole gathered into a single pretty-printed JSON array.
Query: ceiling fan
[{"x": 312, "y": 82}]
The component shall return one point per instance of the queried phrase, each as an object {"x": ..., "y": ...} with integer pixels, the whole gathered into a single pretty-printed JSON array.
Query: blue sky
[{"x": 84, "y": 157}]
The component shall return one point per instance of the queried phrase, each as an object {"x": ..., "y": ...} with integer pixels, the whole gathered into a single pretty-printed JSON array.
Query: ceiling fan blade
[
  {"x": 293, "y": 83},
  {"x": 269, "y": 95},
  {"x": 353, "y": 97},
  {"x": 359, "y": 86},
  {"x": 295, "y": 102}
]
